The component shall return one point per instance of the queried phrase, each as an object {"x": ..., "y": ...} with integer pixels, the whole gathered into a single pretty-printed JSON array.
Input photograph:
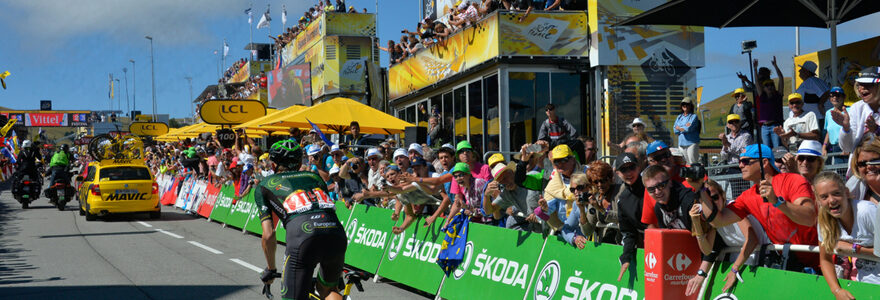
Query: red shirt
[
  {"x": 780, "y": 229},
  {"x": 648, "y": 215}
]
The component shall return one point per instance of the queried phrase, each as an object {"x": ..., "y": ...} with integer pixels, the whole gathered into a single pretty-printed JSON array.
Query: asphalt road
[{"x": 51, "y": 254}]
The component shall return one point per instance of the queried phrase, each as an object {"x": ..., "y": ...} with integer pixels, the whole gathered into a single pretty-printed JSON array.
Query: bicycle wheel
[{"x": 99, "y": 145}]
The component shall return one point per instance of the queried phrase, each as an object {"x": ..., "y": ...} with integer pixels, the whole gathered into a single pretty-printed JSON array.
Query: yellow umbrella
[
  {"x": 271, "y": 113},
  {"x": 338, "y": 113}
]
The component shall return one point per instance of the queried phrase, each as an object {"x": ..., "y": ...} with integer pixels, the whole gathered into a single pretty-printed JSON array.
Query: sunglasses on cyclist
[{"x": 657, "y": 187}]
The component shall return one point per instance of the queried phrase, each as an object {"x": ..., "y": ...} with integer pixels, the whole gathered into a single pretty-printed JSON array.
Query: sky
[{"x": 64, "y": 50}]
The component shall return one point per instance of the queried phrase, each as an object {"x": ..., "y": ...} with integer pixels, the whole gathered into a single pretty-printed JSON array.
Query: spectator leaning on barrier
[
  {"x": 470, "y": 194},
  {"x": 830, "y": 143},
  {"x": 744, "y": 109},
  {"x": 555, "y": 128},
  {"x": 861, "y": 119},
  {"x": 734, "y": 142},
  {"x": 629, "y": 205},
  {"x": 846, "y": 226},
  {"x": 559, "y": 199},
  {"x": 788, "y": 215},
  {"x": 571, "y": 227},
  {"x": 505, "y": 198},
  {"x": 659, "y": 154},
  {"x": 687, "y": 127},
  {"x": 801, "y": 125}
]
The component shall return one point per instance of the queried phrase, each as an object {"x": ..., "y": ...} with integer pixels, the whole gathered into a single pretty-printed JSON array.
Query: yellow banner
[
  {"x": 231, "y": 112},
  {"x": 544, "y": 34},
  {"x": 330, "y": 24},
  {"x": 148, "y": 128},
  {"x": 852, "y": 58},
  {"x": 242, "y": 75}
]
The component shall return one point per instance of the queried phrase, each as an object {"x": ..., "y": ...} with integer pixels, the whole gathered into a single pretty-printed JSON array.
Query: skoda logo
[
  {"x": 462, "y": 268},
  {"x": 548, "y": 281},
  {"x": 351, "y": 228},
  {"x": 394, "y": 249},
  {"x": 725, "y": 296}
]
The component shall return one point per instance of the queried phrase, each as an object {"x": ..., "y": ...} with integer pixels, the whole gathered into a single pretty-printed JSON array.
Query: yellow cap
[
  {"x": 732, "y": 117},
  {"x": 561, "y": 151},
  {"x": 739, "y": 91},
  {"x": 495, "y": 158},
  {"x": 265, "y": 156},
  {"x": 793, "y": 96}
]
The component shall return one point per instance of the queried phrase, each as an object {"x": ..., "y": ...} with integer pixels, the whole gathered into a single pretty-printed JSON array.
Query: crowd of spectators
[
  {"x": 230, "y": 72},
  {"x": 557, "y": 185},
  {"x": 314, "y": 13}
]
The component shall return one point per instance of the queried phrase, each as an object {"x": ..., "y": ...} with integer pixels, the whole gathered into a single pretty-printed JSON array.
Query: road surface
[{"x": 51, "y": 254}]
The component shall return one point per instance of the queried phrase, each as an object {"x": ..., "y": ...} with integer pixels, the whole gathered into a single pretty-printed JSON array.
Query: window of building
[
  {"x": 493, "y": 124},
  {"x": 475, "y": 118},
  {"x": 459, "y": 108},
  {"x": 565, "y": 95}
]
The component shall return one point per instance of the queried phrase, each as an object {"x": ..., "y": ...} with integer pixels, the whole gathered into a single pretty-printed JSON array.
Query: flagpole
[{"x": 251, "y": 28}]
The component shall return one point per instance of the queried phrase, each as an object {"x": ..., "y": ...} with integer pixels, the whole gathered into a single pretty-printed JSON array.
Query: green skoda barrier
[
  {"x": 411, "y": 258},
  {"x": 241, "y": 211},
  {"x": 369, "y": 232},
  {"x": 765, "y": 283},
  {"x": 223, "y": 204},
  {"x": 342, "y": 212},
  {"x": 281, "y": 234},
  {"x": 566, "y": 272},
  {"x": 253, "y": 223},
  {"x": 498, "y": 264}
]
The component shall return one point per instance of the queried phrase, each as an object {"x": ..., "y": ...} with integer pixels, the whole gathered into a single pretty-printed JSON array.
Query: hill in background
[{"x": 716, "y": 115}]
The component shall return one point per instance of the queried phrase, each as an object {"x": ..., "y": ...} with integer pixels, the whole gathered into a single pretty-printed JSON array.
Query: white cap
[
  {"x": 810, "y": 148},
  {"x": 399, "y": 152},
  {"x": 334, "y": 148},
  {"x": 416, "y": 147},
  {"x": 373, "y": 152},
  {"x": 637, "y": 121},
  {"x": 334, "y": 170},
  {"x": 312, "y": 150}
]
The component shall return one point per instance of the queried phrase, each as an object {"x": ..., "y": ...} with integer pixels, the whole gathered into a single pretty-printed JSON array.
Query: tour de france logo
[
  {"x": 548, "y": 281},
  {"x": 462, "y": 268},
  {"x": 394, "y": 249}
]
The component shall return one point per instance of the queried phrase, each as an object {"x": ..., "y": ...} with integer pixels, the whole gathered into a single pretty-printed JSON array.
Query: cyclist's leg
[
  {"x": 299, "y": 264},
  {"x": 332, "y": 262}
]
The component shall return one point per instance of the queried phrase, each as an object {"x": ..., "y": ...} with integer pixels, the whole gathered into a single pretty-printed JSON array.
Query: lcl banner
[
  {"x": 231, "y": 112},
  {"x": 46, "y": 119}
]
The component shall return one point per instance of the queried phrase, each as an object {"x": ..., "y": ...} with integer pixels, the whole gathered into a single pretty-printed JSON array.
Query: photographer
[
  {"x": 598, "y": 206},
  {"x": 505, "y": 197}
]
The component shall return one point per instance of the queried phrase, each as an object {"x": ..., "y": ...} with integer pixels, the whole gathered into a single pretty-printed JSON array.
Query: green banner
[
  {"x": 765, "y": 283},
  {"x": 498, "y": 264},
  {"x": 342, "y": 212},
  {"x": 411, "y": 258},
  {"x": 241, "y": 211},
  {"x": 566, "y": 272},
  {"x": 223, "y": 204},
  {"x": 369, "y": 232},
  {"x": 253, "y": 223}
]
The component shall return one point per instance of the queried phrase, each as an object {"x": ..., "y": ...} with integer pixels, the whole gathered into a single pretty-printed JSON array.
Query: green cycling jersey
[{"x": 291, "y": 193}]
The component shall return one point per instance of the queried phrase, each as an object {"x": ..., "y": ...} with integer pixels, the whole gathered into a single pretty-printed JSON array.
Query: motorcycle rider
[
  {"x": 27, "y": 162},
  {"x": 60, "y": 163}
]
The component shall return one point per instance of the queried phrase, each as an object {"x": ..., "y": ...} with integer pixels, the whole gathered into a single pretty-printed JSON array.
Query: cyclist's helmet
[
  {"x": 286, "y": 153},
  {"x": 26, "y": 144}
]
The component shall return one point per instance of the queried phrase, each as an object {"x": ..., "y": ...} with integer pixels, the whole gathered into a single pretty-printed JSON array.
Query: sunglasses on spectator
[
  {"x": 659, "y": 186},
  {"x": 733, "y": 122},
  {"x": 807, "y": 158},
  {"x": 561, "y": 161},
  {"x": 714, "y": 196},
  {"x": 577, "y": 188},
  {"x": 747, "y": 161},
  {"x": 661, "y": 157},
  {"x": 795, "y": 102},
  {"x": 865, "y": 163}
]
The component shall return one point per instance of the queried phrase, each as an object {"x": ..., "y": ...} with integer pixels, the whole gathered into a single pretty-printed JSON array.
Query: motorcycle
[
  {"x": 26, "y": 189},
  {"x": 60, "y": 191}
]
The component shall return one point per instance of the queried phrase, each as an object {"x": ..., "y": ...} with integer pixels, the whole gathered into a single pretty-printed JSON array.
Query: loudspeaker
[{"x": 414, "y": 134}]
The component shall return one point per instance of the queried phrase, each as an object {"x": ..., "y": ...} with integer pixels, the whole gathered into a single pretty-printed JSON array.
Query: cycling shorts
[{"x": 312, "y": 238}]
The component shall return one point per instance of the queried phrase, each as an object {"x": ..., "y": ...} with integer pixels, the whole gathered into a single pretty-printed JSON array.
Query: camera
[
  {"x": 585, "y": 197},
  {"x": 694, "y": 172},
  {"x": 749, "y": 45}
]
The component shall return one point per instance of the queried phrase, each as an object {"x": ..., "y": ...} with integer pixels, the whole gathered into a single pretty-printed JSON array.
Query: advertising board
[{"x": 231, "y": 112}]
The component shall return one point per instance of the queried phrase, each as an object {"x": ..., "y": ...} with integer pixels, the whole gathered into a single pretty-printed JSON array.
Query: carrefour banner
[
  {"x": 498, "y": 263},
  {"x": 852, "y": 58},
  {"x": 369, "y": 232},
  {"x": 539, "y": 34},
  {"x": 411, "y": 258},
  {"x": 661, "y": 45}
]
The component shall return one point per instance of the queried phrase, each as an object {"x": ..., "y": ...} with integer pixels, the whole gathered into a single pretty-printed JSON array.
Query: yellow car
[{"x": 118, "y": 186}]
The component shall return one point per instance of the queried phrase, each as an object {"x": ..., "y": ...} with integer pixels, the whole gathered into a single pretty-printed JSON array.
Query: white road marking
[
  {"x": 246, "y": 265},
  {"x": 170, "y": 233},
  {"x": 144, "y": 223},
  {"x": 209, "y": 249}
]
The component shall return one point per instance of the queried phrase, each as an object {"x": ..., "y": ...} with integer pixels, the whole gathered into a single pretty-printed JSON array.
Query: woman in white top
[{"x": 845, "y": 226}]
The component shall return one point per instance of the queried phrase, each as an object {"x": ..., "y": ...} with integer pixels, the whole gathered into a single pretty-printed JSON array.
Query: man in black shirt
[{"x": 629, "y": 204}]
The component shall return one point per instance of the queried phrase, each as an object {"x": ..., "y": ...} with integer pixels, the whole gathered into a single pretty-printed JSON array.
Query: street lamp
[
  {"x": 152, "y": 75},
  {"x": 127, "y": 103},
  {"x": 133, "y": 87}
]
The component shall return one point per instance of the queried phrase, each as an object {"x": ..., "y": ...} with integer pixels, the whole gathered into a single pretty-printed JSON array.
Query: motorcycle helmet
[
  {"x": 286, "y": 153},
  {"x": 65, "y": 148},
  {"x": 26, "y": 144}
]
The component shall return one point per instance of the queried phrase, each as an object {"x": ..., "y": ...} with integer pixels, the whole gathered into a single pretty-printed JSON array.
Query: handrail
[{"x": 801, "y": 248}]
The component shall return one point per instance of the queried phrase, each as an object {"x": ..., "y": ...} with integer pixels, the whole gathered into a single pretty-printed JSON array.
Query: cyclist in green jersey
[{"x": 314, "y": 234}]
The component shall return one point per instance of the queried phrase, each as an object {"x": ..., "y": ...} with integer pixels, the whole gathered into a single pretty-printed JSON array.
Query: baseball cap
[
  {"x": 561, "y": 151},
  {"x": 687, "y": 100},
  {"x": 793, "y": 96},
  {"x": 810, "y": 148},
  {"x": 399, "y": 152},
  {"x": 495, "y": 158},
  {"x": 448, "y": 145},
  {"x": 752, "y": 151},
  {"x": 419, "y": 161},
  {"x": 373, "y": 152},
  {"x": 809, "y": 66},
  {"x": 779, "y": 152},
  {"x": 732, "y": 117},
  {"x": 334, "y": 170},
  {"x": 417, "y": 148},
  {"x": 463, "y": 145},
  {"x": 739, "y": 91},
  {"x": 264, "y": 156},
  {"x": 637, "y": 121},
  {"x": 624, "y": 159},
  {"x": 335, "y": 148},
  {"x": 501, "y": 168},
  {"x": 461, "y": 167},
  {"x": 869, "y": 75},
  {"x": 837, "y": 89},
  {"x": 312, "y": 150},
  {"x": 655, "y": 146}
]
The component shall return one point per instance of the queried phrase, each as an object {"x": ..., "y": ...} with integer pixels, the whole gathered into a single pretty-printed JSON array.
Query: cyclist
[{"x": 314, "y": 234}]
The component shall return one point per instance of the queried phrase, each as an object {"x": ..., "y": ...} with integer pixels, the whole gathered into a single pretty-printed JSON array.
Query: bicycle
[{"x": 350, "y": 278}]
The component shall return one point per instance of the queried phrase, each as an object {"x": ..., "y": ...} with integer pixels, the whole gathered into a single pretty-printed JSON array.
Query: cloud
[{"x": 45, "y": 22}]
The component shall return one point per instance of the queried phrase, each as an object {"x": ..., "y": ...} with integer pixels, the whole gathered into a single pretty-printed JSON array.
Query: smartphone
[{"x": 533, "y": 148}]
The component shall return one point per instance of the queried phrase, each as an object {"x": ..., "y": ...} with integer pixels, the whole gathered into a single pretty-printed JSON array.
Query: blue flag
[
  {"x": 321, "y": 134},
  {"x": 452, "y": 249}
]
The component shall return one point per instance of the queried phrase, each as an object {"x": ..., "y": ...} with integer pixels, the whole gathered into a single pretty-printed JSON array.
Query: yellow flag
[
  {"x": 8, "y": 126},
  {"x": 3, "y": 78}
]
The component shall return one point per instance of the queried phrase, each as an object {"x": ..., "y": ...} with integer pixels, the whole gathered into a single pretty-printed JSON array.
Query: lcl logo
[
  {"x": 228, "y": 112},
  {"x": 232, "y": 109}
]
